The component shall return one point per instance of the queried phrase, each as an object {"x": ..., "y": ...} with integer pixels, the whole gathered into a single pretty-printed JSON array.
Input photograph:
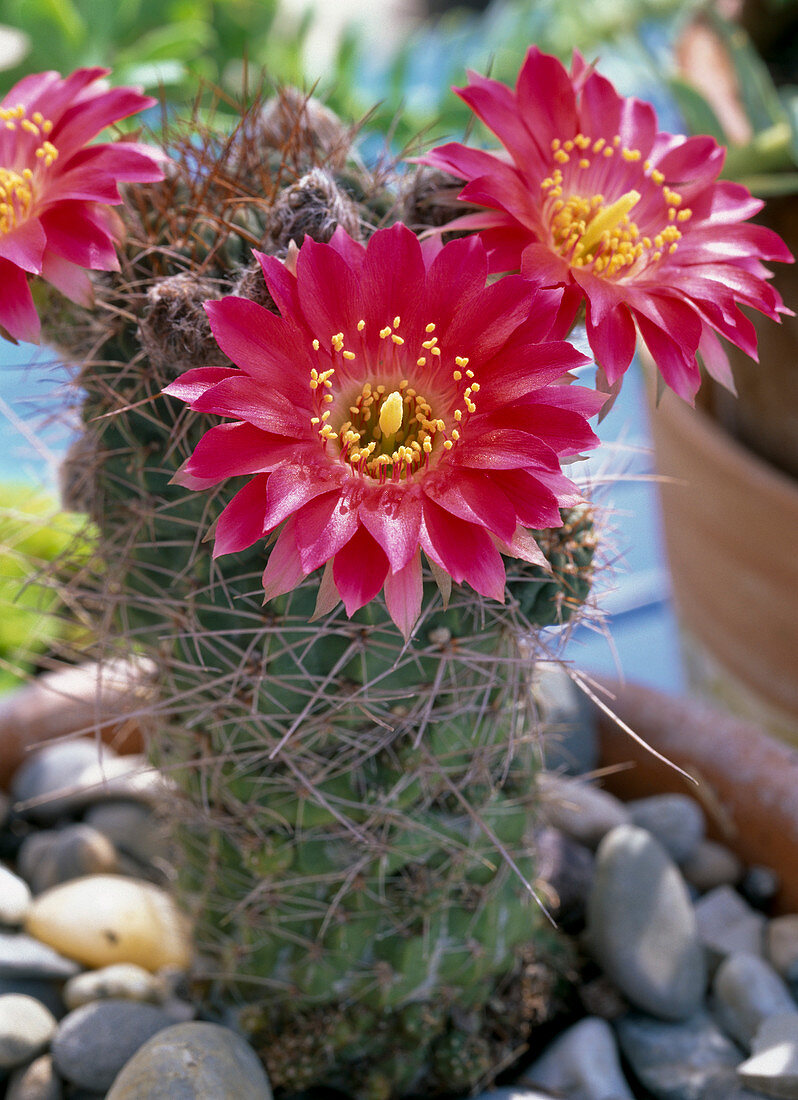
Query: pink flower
[
  {"x": 588, "y": 195},
  {"x": 398, "y": 404},
  {"x": 55, "y": 190}
]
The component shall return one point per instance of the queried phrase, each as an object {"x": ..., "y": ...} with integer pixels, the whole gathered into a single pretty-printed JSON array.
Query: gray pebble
[
  {"x": 45, "y": 991},
  {"x": 93, "y": 1043},
  {"x": 582, "y": 1061},
  {"x": 579, "y": 810},
  {"x": 712, "y": 865},
  {"x": 773, "y": 1067},
  {"x": 122, "y": 981},
  {"x": 745, "y": 991},
  {"x": 132, "y": 828},
  {"x": 513, "y": 1092},
  {"x": 760, "y": 885},
  {"x": 781, "y": 945},
  {"x": 57, "y": 856},
  {"x": 570, "y": 743},
  {"x": 15, "y": 897},
  {"x": 38, "y": 1081},
  {"x": 193, "y": 1061},
  {"x": 21, "y": 956},
  {"x": 641, "y": 927},
  {"x": 26, "y": 1028},
  {"x": 62, "y": 778},
  {"x": 677, "y": 1061},
  {"x": 676, "y": 820},
  {"x": 727, "y": 924}
]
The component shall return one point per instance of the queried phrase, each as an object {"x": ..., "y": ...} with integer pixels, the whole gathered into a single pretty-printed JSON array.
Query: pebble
[
  {"x": 62, "y": 778},
  {"x": 51, "y": 857},
  {"x": 38, "y": 1081},
  {"x": 781, "y": 945},
  {"x": 26, "y": 1028},
  {"x": 105, "y": 919},
  {"x": 677, "y": 1061},
  {"x": 22, "y": 956},
  {"x": 727, "y": 924},
  {"x": 759, "y": 886},
  {"x": 712, "y": 865},
  {"x": 676, "y": 820},
  {"x": 773, "y": 1067},
  {"x": 95, "y": 1041},
  {"x": 745, "y": 991},
  {"x": 582, "y": 1061},
  {"x": 570, "y": 742},
  {"x": 580, "y": 811},
  {"x": 132, "y": 828},
  {"x": 641, "y": 926},
  {"x": 566, "y": 867},
  {"x": 15, "y": 897},
  {"x": 122, "y": 980},
  {"x": 194, "y": 1061},
  {"x": 45, "y": 991},
  {"x": 510, "y": 1092}
]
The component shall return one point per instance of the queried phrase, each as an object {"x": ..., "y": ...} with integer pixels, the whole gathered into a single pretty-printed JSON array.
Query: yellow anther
[
  {"x": 455, "y": 434},
  {"x": 422, "y": 362},
  {"x": 469, "y": 374},
  {"x": 435, "y": 351},
  {"x": 316, "y": 345},
  {"x": 461, "y": 360},
  {"x": 427, "y": 445},
  {"x": 448, "y": 444},
  {"x": 396, "y": 339},
  {"x": 598, "y": 145},
  {"x": 608, "y": 151},
  {"x": 385, "y": 332},
  {"x": 584, "y": 163},
  {"x": 361, "y": 325},
  {"x": 314, "y": 420},
  {"x": 631, "y": 154},
  {"x": 457, "y": 375},
  {"x": 430, "y": 327},
  {"x": 429, "y": 343},
  {"x": 349, "y": 355},
  {"x": 684, "y": 215},
  {"x": 397, "y": 322},
  {"x": 561, "y": 157},
  {"x": 458, "y": 414},
  {"x": 328, "y": 397},
  {"x": 555, "y": 144},
  {"x": 658, "y": 177}
]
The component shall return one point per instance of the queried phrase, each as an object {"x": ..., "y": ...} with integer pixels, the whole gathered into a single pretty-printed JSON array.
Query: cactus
[{"x": 358, "y": 813}]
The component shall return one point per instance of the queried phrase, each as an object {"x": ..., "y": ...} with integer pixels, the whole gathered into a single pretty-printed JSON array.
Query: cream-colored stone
[{"x": 104, "y": 919}]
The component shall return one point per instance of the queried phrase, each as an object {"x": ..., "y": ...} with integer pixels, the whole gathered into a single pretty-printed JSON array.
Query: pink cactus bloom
[
  {"x": 589, "y": 195},
  {"x": 397, "y": 405},
  {"x": 56, "y": 191}
]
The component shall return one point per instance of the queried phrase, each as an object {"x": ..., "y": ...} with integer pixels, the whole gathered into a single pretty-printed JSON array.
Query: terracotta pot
[
  {"x": 731, "y": 537},
  {"x": 747, "y": 782}
]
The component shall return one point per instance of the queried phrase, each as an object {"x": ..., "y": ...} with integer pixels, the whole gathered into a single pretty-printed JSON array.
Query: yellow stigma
[
  {"x": 609, "y": 219},
  {"x": 391, "y": 414}
]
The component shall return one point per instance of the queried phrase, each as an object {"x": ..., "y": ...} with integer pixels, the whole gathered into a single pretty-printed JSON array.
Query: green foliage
[{"x": 33, "y": 535}]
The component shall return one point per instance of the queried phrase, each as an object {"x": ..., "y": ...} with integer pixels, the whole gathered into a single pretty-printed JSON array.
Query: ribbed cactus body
[{"x": 358, "y": 814}]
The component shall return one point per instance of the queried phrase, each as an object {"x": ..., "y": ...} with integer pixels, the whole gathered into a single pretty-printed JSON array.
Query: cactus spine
[{"x": 358, "y": 814}]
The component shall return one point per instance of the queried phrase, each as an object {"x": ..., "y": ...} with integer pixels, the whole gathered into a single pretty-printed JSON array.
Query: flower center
[
  {"x": 587, "y": 230},
  {"x": 17, "y": 189},
  {"x": 389, "y": 430}
]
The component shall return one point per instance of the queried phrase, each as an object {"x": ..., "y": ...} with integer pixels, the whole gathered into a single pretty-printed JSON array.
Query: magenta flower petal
[
  {"x": 398, "y": 403},
  {"x": 55, "y": 191},
  {"x": 589, "y": 196},
  {"x": 18, "y": 314},
  {"x": 359, "y": 569}
]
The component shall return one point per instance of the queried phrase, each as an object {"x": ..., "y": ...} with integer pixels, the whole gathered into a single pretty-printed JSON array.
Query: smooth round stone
[
  {"x": 727, "y": 924},
  {"x": 513, "y": 1092},
  {"x": 580, "y": 811},
  {"x": 712, "y": 865},
  {"x": 570, "y": 742},
  {"x": 26, "y": 1028},
  {"x": 124, "y": 981},
  {"x": 68, "y": 853},
  {"x": 641, "y": 926},
  {"x": 745, "y": 991},
  {"x": 193, "y": 1061},
  {"x": 93, "y": 1043},
  {"x": 104, "y": 919},
  {"x": 23, "y": 956},
  {"x": 680, "y": 1061},
  {"x": 38, "y": 1081},
  {"x": 132, "y": 828},
  {"x": 15, "y": 897},
  {"x": 781, "y": 945},
  {"x": 676, "y": 820},
  {"x": 582, "y": 1061},
  {"x": 773, "y": 1068},
  {"x": 760, "y": 885},
  {"x": 61, "y": 779},
  {"x": 45, "y": 991}
]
